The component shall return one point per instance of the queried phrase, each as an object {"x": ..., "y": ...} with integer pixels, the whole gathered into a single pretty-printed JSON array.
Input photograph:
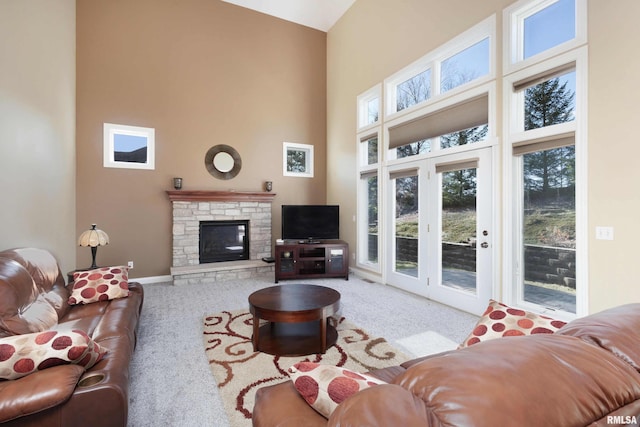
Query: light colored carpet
[
  {"x": 170, "y": 380},
  {"x": 239, "y": 371},
  {"x": 426, "y": 343}
]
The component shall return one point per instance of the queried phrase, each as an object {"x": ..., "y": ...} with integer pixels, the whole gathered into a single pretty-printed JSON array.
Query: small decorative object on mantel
[
  {"x": 268, "y": 185},
  {"x": 177, "y": 183},
  {"x": 93, "y": 238}
]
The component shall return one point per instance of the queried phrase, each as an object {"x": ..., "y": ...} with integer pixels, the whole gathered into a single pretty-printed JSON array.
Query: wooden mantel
[{"x": 223, "y": 196}]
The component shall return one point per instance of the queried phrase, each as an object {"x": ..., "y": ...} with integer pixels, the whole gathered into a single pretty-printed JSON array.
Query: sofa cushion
[
  {"x": 500, "y": 320},
  {"x": 22, "y": 355},
  {"x": 23, "y": 309},
  {"x": 47, "y": 277},
  {"x": 324, "y": 387},
  {"x": 100, "y": 284},
  {"x": 538, "y": 380},
  {"x": 616, "y": 330}
]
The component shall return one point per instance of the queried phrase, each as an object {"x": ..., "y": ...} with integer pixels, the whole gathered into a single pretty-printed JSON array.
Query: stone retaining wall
[{"x": 544, "y": 264}]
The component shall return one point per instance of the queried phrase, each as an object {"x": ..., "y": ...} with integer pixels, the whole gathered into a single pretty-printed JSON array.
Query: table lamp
[{"x": 93, "y": 238}]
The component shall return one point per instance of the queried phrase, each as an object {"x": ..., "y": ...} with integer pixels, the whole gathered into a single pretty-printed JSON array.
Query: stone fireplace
[{"x": 191, "y": 209}]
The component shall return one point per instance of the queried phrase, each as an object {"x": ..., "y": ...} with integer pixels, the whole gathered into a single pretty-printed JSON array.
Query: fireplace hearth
[{"x": 224, "y": 241}]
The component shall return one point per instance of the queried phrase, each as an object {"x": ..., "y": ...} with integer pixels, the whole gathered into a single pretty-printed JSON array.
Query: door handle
[{"x": 484, "y": 244}]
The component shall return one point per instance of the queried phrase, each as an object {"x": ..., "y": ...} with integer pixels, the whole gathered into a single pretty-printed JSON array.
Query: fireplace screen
[{"x": 224, "y": 241}]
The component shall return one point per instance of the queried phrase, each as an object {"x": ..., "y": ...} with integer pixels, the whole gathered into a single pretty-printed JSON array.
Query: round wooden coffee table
[{"x": 297, "y": 319}]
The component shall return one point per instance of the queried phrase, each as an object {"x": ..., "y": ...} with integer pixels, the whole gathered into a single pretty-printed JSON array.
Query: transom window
[
  {"x": 539, "y": 29},
  {"x": 413, "y": 91},
  {"x": 551, "y": 26},
  {"x": 465, "y": 66},
  {"x": 465, "y": 59}
]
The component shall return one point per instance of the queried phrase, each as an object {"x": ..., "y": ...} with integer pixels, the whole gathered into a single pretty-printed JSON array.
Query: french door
[{"x": 440, "y": 229}]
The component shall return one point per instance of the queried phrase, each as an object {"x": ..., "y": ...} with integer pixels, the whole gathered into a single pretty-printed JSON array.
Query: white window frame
[
  {"x": 513, "y": 30},
  {"x": 512, "y": 195},
  {"x": 363, "y": 107},
  {"x": 111, "y": 130},
  {"x": 433, "y": 61}
]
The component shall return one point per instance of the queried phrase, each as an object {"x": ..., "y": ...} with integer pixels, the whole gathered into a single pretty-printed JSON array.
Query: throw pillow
[
  {"x": 21, "y": 355},
  {"x": 101, "y": 284},
  {"x": 500, "y": 320},
  {"x": 324, "y": 387}
]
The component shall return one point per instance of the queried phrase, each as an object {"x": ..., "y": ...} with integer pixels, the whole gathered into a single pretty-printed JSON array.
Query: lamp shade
[{"x": 93, "y": 237}]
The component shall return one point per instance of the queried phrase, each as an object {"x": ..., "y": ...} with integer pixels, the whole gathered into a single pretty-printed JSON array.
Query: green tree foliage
[{"x": 549, "y": 171}]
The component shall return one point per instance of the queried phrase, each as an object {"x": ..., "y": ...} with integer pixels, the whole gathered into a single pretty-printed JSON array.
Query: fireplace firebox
[{"x": 224, "y": 241}]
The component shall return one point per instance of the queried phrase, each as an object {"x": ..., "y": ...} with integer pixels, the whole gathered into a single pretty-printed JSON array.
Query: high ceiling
[{"x": 318, "y": 14}]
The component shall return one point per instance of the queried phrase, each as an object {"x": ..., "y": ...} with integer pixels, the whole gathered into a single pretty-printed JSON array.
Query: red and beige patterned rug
[{"x": 239, "y": 371}]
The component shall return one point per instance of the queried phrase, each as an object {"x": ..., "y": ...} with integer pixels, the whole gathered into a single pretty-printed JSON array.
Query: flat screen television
[{"x": 310, "y": 223}]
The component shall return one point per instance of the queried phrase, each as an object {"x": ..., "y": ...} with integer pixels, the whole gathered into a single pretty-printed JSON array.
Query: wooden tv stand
[{"x": 300, "y": 260}]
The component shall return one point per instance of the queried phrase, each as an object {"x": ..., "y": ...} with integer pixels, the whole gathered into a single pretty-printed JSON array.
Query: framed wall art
[
  {"x": 130, "y": 147},
  {"x": 297, "y": 160}
]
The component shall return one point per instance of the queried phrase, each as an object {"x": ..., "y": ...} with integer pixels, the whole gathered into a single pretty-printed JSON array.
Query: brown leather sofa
[
  {"x": 587, "y": 373},
  {"x": 33, "y": 297}
]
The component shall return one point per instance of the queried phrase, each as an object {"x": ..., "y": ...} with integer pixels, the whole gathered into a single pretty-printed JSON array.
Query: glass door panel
[
  {"x": 406, "y": 225},
  {"x": 458, "y": 229},
  {"x": 461, "y": 231}
]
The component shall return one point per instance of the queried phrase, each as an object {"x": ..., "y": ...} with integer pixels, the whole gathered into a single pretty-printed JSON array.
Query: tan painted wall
[
  {"x": 614, "y": 148},
  {"x": 377, "y": 38},
  {"x": 202, "y": 73},
  {"x": 37, "y": 126}
]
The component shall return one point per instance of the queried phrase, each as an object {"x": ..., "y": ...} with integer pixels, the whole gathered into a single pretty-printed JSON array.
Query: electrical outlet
[{"x": 130, "y": 264}]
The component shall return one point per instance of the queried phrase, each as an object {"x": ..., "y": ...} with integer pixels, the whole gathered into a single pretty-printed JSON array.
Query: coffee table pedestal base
[{"x": 293, "y": 339}]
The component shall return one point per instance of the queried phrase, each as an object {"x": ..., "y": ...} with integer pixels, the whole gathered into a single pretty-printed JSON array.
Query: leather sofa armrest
[
  {"x": 382, "y": 406},
  {"x": 39, "y": 391}
]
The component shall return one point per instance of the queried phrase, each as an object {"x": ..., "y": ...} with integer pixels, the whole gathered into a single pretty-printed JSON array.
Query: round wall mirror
[{"x": 223, "y": 161}]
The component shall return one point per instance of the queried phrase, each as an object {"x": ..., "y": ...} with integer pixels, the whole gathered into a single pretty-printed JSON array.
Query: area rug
[{"x": 239, "y": 371}]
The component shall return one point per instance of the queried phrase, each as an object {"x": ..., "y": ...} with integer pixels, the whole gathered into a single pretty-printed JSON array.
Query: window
[
  {"x": 370, "y": 233},
  {"x": 129, "y": 147},
  {"x": 465, "y": 66},
  {"x": 550, "y": 102},
  {"x": 413, "y": 91},
  {"x": 545, "y": 123},
  {"x": 460, "y": 120},
  {"x": 369, "y": 107},
  {"x": 537, "y": 30},
  {"x": 549, "y": 27},
  {"x": 297, "y": 160},
  {"x": 465, "y": 59},
  {"x": 368, "y": 201},
  {"x": 369, "y": 148}
]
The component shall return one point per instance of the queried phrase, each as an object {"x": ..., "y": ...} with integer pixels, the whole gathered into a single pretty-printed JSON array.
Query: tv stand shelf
[{"x": 301, "y": 260}]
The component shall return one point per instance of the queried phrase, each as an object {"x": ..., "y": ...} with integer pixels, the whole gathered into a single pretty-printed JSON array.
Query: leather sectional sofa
[
  {"x": 586, "y": 373},
  {"x": 34, "y": 298}
]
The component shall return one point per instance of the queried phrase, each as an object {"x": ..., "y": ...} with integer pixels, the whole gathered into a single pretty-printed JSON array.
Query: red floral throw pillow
[
  {"x": 500, "y": 320},
  {"x": 324, "y": 387},
  {"x": 101, "y": 284},
  {"x": 21, "y": 355}
]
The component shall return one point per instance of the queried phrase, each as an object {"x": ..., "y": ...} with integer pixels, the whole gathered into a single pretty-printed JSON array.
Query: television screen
[{"x": 310, "y": 222}]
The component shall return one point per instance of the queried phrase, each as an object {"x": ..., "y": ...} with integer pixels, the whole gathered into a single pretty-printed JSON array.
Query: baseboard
[
  {"x": 364, "y": 274},
  {"x": 152, "y": 279}
]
